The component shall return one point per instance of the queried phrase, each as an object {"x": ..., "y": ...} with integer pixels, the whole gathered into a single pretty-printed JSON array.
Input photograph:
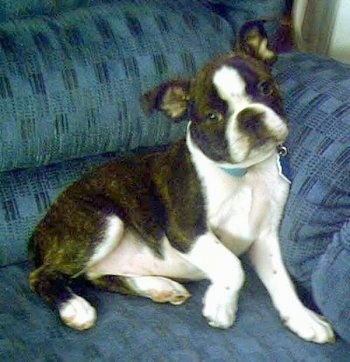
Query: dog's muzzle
[
  {"x": 261, "y": 125},
  {"x": 251, "y": 122}
]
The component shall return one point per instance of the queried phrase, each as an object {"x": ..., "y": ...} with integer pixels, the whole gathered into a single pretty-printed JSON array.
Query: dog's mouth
[
  {"x": 261, "y": 125},
  {"x": 274, "y": 139},
  {"x": 270, "y": 142}
]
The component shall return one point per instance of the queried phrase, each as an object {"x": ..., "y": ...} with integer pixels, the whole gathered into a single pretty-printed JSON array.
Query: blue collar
[
  {"x": 282, "y": 164},
  {"x": 234, "y": 172}
]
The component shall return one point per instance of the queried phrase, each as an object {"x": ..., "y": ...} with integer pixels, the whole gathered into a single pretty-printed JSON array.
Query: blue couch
[{"x": 71, "y": 75}]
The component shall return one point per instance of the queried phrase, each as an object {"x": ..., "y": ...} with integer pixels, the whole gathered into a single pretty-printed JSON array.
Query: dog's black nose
[{"x": 251, "y": 120}]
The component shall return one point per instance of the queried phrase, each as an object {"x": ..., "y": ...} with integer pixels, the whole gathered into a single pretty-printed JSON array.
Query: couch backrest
[
  {"x": 72, "y": 71},
  {"x": 70, "y": 84},
  {"x": 19, "y": 9}
]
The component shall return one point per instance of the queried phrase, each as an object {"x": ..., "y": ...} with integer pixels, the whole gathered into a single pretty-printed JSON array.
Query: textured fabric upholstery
[
  {"x": 237, "y": 12},
  {"x": 315, "y": 231},
  {"x": 136, "y": 329},
  {"x": 330, "y": 282},
  {"x": 316, "y": 95},
  {"x": 70, "y": 85},
  {"x": 19, "y": 9}
]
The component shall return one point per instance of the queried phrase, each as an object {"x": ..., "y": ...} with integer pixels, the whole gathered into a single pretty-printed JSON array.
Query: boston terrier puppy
[{"x": 139, "y": 225}]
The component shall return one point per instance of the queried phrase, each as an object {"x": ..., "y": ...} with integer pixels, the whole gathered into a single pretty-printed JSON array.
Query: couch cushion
[
  {"x": 70, "y": 84},
  {"x": 134, "y": 328},
  {"x": 316, "y": 95},
  {"x": 330, "y": 282},
  {"x": 315, "y": 231}
]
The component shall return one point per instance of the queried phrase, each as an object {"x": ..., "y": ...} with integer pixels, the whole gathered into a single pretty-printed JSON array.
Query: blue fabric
[
  {"x": 19, "y": 9},
  {"x": 237, "y": 12},
  {"x": 330, "y": 282},
  {"x": 136, "y": 329},
  {"x": 315, "y": 93},
  {"x": 315, "y": 229},
  {"x": 70, "y": 84}
]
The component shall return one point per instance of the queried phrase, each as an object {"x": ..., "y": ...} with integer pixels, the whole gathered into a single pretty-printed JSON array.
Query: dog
[{"x": 142, "y": 224}]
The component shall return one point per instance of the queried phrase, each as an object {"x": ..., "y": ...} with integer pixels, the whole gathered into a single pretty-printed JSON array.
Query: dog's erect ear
[
  {"x": 172, "y": 98},
  {"x": 254, "y": 42}
]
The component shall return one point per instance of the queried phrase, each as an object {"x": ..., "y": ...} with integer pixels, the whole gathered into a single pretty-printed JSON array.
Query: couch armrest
[
  {"x": 315, "y": 228},
  {"x": 330, "y": 282}
]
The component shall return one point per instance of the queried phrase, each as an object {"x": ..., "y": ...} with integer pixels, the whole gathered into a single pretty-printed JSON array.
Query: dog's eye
[
  {"x": 214, "y": 116},
  {"x": 265, "y": 87}
]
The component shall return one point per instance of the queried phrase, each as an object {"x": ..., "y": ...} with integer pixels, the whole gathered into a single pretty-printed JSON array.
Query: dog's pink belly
[{"x": 133, "y": 258}]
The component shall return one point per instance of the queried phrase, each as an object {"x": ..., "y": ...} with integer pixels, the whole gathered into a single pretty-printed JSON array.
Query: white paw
[
  {"x": 168, "y": 291},
  {"x": 310, "y": 326},
  {"x": 220, "y": 306},
  {"x": 77, "y": 313},
  {"x": 159, "y": 289},
  {"x": 178, "y": 295}
]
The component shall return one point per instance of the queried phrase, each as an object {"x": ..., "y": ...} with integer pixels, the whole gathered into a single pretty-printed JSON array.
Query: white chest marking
[{"x": 239, "y": 208}]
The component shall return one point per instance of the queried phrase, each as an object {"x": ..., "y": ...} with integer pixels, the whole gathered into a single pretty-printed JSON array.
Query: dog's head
[{"x": 233, "y": 103}]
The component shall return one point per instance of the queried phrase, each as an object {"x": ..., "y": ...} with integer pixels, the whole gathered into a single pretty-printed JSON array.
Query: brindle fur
[{"x": 66, "y": 239}]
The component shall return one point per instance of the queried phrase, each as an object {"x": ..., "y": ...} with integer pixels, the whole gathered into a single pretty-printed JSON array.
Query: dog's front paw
[
  {"x": 77, "y": 313},
  {"x": 220, "y": 306},
  {"x": 310, "y": 326}
]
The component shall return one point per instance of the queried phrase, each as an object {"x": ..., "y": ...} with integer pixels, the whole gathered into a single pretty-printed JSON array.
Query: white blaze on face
[{"x": 231, "y": 87}]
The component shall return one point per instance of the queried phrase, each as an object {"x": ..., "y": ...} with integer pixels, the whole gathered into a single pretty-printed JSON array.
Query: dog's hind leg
[
  {"x": 159, "y": 289},
  {"x": 61, "y": 265},
  {"x": 54, "y": 288}
]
